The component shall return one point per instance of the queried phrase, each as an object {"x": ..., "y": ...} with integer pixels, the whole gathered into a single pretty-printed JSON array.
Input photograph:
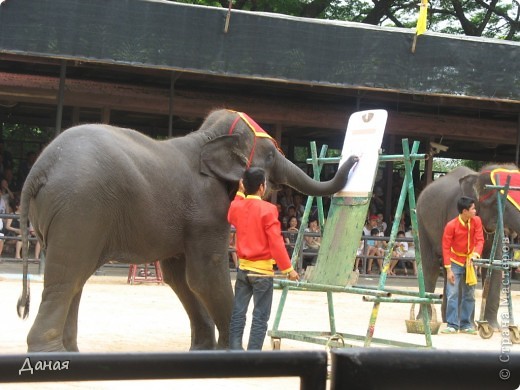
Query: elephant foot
[
  {"x": 72, "y": 348},
  {"x": 495, "y": 325},
  {"x": 203, "y": 342},
  {"x": 37, "y": 343},
  {"x": 203, "y": 347},
  {"x": 47, "y": 348}
]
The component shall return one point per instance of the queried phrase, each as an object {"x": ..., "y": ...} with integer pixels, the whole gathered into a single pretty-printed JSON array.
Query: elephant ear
[
  {"x": 222, "y": 158},
  {"x": 468, "y": 185}
]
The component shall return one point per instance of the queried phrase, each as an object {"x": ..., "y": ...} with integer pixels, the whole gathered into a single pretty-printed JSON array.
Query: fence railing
[
  {"x": 309, "y": 366},
  {"x": 382, "y": 368}
]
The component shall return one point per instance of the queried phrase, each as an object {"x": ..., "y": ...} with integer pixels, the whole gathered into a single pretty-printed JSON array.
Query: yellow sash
[{"x": 471, "y": 276}]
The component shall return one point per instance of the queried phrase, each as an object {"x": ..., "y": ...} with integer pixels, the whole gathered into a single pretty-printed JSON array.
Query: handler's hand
[
  {"x": 293, "y": 275},
  {"x": 450, "y": 275},
  {"x": 241, "y": 187}
]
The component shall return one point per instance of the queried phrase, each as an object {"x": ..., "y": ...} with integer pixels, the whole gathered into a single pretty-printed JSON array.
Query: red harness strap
[{"x": 233, "y": 125}]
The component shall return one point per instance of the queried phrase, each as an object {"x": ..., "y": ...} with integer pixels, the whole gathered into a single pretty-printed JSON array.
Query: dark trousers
[{"x": 261, "y": 289}]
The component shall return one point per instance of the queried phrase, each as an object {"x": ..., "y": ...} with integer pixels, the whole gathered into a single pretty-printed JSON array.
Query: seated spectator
[
  {"x": 381, "y": 224},
  {"x": 312, "y": 244},
  {"x": 375, "y": 248},
  {"x": 13, "y": 226},
  {"x": 411, "y": 250},
  {"x": 400, "y": 250},
  {"x": 291, "y": 212},
  {"x": 5, "y": 188},
  {"x": 359, "y": 254},
  {"x": 291, "y": 235},
  {"x": 370, "y": 224}
]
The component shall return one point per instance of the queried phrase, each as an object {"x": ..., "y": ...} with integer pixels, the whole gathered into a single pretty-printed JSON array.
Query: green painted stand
[{"x": 337, "y": 254}]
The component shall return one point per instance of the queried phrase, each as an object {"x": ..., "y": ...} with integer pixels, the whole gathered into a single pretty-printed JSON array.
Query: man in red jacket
[
  {"x": 462, "y": 241},
  {"x": 259, "y": 245}
]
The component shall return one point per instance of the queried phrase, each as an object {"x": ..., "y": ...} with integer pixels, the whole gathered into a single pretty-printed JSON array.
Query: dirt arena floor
[{"x": 118, "y": 317}]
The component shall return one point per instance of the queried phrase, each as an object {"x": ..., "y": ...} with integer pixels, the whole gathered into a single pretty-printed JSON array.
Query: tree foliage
[{"x": 480, "y": 18}]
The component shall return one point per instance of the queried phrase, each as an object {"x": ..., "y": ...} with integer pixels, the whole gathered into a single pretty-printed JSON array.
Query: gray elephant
[
  {"x": 100, "y": 193},
  {"x": 437, "y": 204}
]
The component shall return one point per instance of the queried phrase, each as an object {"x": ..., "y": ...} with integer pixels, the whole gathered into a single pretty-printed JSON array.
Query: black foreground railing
[
  {"x": 310, "y": 366},
  {"x": 377, "y": 368},
  {"x": 351, "y": 368}
]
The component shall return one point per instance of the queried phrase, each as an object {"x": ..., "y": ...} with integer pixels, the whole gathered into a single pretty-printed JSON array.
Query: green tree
[
  {"x": 446, "y": 165},
  {"x": 486, "y": 18}
]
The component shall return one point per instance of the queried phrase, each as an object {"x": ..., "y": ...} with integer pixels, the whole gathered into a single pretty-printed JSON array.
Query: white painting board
[{"x": 363, "y": 138}]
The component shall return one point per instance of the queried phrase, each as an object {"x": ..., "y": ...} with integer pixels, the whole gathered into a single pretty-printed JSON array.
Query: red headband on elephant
[
  {"x": 257, "y": 131},
  {"x": 499, "y": 175}
]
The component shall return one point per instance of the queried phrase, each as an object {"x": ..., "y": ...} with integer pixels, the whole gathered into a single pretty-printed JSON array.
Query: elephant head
[
  {"x": 474, "y": 185},
  {"x": 235, "y": 142}
]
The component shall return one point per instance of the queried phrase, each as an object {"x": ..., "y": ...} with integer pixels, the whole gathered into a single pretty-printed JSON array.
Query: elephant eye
[{"x": 270, "y": 158}]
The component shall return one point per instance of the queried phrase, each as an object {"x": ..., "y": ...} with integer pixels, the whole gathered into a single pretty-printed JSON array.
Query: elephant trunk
[{"x": 287, "y": 173}]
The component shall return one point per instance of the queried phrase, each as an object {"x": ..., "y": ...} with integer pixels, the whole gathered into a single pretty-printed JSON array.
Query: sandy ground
[{"x": 118, "y": 317}]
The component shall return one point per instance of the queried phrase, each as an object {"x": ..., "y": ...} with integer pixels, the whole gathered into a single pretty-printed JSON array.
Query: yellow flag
[{"x": 423, "y": 14}]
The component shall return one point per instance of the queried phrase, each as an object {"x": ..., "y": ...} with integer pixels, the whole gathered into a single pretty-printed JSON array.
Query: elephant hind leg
[
  {"x": 202, "y": 326},
  {"x": 46, "y": 334},
  {"x": 55, "y": 326},
  {"x": 70, "y": 332},
  {"x": 431, "y": 271}
]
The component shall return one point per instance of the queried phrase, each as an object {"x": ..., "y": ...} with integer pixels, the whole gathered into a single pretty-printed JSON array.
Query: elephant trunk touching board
[
  {"x": 99, "y": 193},
  {"x": 286, "y": 172},
  {"x": 437, "y": 204}
]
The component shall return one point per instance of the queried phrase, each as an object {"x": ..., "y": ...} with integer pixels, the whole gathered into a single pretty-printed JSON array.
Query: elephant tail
[{"x": 24, "y": 301}]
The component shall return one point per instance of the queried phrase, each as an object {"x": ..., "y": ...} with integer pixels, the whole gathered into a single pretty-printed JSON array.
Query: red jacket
[
  {"x": 259, "y": 241},
  {"x": 461, "y": 240}
]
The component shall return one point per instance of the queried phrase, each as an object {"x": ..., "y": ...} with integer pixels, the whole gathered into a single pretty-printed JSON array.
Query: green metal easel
[{"x": 337, "y": 254}]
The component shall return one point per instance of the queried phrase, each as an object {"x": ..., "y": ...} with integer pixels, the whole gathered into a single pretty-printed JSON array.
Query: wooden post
[{"x": 61, "y": 92}]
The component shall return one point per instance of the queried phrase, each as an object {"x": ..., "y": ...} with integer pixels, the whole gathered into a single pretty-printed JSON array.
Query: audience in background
[
  {"x": 311, "y": 244},
  {"x": 375, "y": 248}
]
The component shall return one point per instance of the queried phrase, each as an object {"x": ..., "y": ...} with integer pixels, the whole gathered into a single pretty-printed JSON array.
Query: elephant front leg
[
  {"x": 207, "y": 274},
  {"x": 202, "y": 326},
  {"x": 493, "y": 299},
  {"x": 213, "y": 287}
]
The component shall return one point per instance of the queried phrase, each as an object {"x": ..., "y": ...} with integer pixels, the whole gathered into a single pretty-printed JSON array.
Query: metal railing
[
  {"x": 309, "y": 366},
  {"x": 381, "y": 368}
]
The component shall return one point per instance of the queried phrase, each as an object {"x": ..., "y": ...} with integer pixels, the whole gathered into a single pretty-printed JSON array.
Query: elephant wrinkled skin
[
  {"x": 99, "y": 193},
  {"x": 437, "y": 204}
]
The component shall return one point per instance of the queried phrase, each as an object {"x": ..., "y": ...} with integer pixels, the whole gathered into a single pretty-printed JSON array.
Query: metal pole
[{"x": 61, "y": 92}]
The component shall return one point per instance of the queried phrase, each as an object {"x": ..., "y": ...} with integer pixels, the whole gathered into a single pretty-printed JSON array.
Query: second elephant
[{"x": 437, "y": 204}]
